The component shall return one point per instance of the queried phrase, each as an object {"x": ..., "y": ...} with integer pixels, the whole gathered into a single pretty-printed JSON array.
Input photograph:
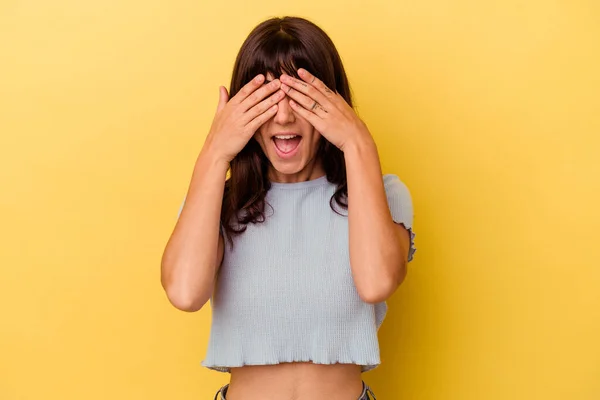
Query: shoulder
[
  {"x": 395, "y": 186},
  {"x": 392, "y": 179},
  {"x": 399, "y": 199},
  {"x": 401, "y": 206}
]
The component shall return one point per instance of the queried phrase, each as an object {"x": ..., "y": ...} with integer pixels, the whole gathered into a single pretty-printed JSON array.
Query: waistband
[{"x": 367, "y": 393}]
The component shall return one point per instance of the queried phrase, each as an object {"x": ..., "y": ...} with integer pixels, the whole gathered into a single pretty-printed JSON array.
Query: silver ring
[{"x": 314, "y": 105}]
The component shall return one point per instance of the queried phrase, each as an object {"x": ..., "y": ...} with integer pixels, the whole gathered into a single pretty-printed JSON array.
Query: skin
[
  {"x": 194, "y": 252},
  {"x": 304, "y": 165}
]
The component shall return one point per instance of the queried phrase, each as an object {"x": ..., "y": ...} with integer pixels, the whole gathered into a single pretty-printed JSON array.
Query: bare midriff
[{"x": 295, "y": 381}]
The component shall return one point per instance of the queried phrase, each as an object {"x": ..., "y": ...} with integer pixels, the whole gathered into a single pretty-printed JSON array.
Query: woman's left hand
[{"x": 324, "y": 109}]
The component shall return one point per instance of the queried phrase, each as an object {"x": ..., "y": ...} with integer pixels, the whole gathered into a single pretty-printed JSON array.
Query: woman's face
[{"x": 290, "y": 143}]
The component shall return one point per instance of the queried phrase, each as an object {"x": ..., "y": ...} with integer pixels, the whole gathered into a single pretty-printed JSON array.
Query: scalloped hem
[{"x": 412, "y": 249}]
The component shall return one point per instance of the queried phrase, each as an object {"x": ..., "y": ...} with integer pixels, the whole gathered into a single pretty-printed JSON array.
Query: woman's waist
[{"x": 296, "y": 380}]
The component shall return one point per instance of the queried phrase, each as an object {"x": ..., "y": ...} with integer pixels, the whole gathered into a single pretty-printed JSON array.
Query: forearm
[
  {"x": 375, "y": 247},
  {"x": 190, "y": 259}
]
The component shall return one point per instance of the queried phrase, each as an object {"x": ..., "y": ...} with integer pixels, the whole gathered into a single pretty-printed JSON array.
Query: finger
[
  {"x": 306, "y": 89},
  {"x": 336, "y": 99},
  {"x": 264, "y": 105},
  {"x": 261, "y": 119},
  {"x": 248, "y": 89},
  {"x": 316, "y": 82},
  {"x": 305, "y": 101},
  {"x": 223, "y": 98},
  {"x": 311, "y": 117},
  {"x": 258, "y": 95}
]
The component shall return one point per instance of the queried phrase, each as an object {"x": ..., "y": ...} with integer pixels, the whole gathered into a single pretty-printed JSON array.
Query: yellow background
[{"x": 488, "y": 110}]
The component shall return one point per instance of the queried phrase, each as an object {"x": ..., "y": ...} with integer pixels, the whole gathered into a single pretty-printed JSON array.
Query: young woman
[{"x": 300, "y": 247}]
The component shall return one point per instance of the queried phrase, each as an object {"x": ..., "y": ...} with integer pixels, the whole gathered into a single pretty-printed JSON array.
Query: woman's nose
[{"x": 284, "y": 112}]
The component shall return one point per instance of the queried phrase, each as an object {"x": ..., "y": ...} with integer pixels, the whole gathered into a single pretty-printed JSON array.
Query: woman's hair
[{"x": 276, "y": 46}]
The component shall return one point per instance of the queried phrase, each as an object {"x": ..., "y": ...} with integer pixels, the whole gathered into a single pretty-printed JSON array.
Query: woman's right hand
[{"x": 237, "y": 120}]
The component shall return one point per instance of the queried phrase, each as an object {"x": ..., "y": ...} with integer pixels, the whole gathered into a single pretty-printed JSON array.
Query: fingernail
[{"x": 258, "y": 78}]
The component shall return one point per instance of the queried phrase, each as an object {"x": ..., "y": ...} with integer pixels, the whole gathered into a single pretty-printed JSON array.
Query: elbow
[
  {"x": 374, "y": 296},
  {"x": 184, "y": 298},
  {"x": 179, "y": 289},
  {"x": 184, "y": 302},
  {"x": 381, "y": 289}
]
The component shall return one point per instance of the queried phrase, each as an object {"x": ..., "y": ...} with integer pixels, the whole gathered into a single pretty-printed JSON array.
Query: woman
[{"x": 299, "y": 249}]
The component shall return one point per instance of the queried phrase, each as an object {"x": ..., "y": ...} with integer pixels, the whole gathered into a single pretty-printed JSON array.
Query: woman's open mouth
[{"x": 286, "y": 146}]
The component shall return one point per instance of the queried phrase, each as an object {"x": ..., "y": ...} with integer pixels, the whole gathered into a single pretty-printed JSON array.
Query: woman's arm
[
  {"x": 194, "y": 251},
  {"x": 378, "y": 246}
]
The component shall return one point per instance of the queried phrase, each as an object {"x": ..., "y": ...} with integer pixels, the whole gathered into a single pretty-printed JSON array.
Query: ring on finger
[{"x": 314, "y": 106}]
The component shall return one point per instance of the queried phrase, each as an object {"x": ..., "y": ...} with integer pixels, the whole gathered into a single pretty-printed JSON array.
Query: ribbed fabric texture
[{"x": 285, "y": 291}]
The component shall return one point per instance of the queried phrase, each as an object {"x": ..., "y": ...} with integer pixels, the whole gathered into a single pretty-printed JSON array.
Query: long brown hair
[{"x": 276, "y": 46}]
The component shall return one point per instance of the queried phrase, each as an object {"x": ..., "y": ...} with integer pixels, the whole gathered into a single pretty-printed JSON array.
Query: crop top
[{"x": 285, "y": 292}]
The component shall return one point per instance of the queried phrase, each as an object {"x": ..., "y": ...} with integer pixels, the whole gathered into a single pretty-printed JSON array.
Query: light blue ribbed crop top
[{"x": 285, "y": 291}]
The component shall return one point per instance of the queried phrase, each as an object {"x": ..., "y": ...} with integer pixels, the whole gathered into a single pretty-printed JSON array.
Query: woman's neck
[{"x": 312, "y": 170}]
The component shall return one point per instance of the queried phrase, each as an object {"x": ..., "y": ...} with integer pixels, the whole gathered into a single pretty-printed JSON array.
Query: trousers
[{"x": 367, "y": 393}]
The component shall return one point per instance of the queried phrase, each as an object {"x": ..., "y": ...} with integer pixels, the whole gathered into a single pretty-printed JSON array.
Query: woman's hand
[
  {"x": 326, "y": 110},
  {"x": 237, "y": 120}
]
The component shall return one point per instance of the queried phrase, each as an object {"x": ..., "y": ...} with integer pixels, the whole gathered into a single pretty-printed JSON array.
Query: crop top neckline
[{"x": 301, "y": 185}]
